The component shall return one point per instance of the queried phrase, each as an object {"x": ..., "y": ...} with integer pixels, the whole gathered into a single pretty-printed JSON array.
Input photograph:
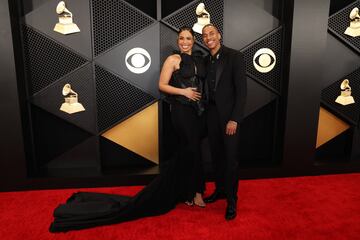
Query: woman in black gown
[{"x": 181, "y": 179}]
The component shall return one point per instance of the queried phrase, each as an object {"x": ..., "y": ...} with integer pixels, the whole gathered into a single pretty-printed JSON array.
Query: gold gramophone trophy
[
  {"x": 65, "y": 24},
  {"x": 203, "y": 18},
  {"x": 345, "y": 98},
  {"x": 354, "y": 29},
  {"x": 71, "y": 104}
]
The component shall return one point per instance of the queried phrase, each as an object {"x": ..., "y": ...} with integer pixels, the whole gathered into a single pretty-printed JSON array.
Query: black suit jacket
[{"x": 231, "y": 87}]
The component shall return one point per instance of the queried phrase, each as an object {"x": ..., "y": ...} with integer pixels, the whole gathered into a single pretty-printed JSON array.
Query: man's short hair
[{"x": 211, "y": 25}]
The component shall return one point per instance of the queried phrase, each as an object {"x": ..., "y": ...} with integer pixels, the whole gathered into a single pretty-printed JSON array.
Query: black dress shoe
[
  {"x": 214, "y": 197},
  {"x": 230, "y": 210}
]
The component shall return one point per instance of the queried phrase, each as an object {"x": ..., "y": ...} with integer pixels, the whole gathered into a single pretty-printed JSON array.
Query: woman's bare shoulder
[{"x": 174, "y": 58}]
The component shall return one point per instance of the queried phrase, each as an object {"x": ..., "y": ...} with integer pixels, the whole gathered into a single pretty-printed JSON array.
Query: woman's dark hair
[{"x": 186, "y": 28}]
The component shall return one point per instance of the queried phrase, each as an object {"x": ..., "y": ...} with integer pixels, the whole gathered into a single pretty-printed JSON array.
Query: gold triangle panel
[
  {"x": 329, "y": 127},
  {"x": 139, "y": 133}
]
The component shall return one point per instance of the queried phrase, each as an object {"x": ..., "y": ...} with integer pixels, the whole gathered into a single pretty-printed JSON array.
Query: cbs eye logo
[
  {"x": 138, "y": 60},
  {"x": 264, "y": 60}
]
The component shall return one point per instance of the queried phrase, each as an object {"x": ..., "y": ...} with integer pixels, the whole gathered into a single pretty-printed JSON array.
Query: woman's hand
[
  {"x": 231, "y": 127},
  {"x": 191, "y": 94}
]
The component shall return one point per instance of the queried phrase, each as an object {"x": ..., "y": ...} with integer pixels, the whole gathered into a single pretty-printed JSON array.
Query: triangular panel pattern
[
  {"x": 150, "y": 8},
  {"x": 114, "y": 155},
  {"x": 272, "y": 79},
  {"x": 80, "y": 42},
  {"x": 115, "y": 61},
  {"x": 241, "y": 16},
  {"x": 116, "y": 98},
  {"x": 338, "y": 60},
  {"x": 139, "y": 133},
  {"x": 46, "y": 61},
  {"x": 80, "y": 161},
  {"x": 114, "y": 21},
  {"x": 168, "y": 42},
  {"x": 349, "y": 112},
  {"x": 53, "y": 136},
  {"x": 258, "y": 96},
  {"x": 339, "y": 22},
  {"x": 260, "y": 146},
  {"x": 81, "y": 81},
  {"x": 186, "y": 16},
  {"x": 329, "y": 127}
]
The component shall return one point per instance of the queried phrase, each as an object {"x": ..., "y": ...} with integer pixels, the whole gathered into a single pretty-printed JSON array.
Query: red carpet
[{"x": 324, "y": 207}]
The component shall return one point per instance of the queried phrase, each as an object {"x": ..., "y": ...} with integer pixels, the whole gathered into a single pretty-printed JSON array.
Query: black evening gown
[{"x": 179, "y": 180}]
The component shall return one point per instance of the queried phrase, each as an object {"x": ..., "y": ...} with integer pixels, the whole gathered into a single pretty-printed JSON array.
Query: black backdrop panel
[
  {"x": 257, "y": 96},
  {"x": 116, "y": 98},
  {"x": 80, "y": 161},
  {"x": 53, "y": 136},
  {"x": 337, "y": 5},
  {"x": 256, "y": 143},
  {"x": 335, "y": 150},
  {"x": 32, "y": 4},
  {"x": 168, "y": 42},
  {"x": 186, "y": 16},
  {"x": 46, "y": 61},
  {"x": 338, "y": 61},
  {"x": 349, "y": 112},
  {"x": 14, "y": 135},
  {"x": 81, "y": 41},
  {"x": 271, "y": 79},
  {"x": 168, "y": 7},
  {"x": 114, "y": 21},
  {"x": 114, "y": 155},
  {"x": 49, "y": 60},
  {"x": 81, "y": 82},
  {"x": 271, "y": 6},
  {"x": 245, "y": 21},
  {"x": 114, "y": 60},
  {"x": 149, "y": 6},
  {"x": 340, "y": 21}
]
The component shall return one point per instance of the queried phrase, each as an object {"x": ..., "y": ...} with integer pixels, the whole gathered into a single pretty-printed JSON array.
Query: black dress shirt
[{"x": 211, "y": 74}]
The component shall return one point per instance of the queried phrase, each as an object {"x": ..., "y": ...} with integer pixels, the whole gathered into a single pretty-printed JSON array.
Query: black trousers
[
  {"x": 224, "y": 154},
  {"x": 189, "y": 129}
]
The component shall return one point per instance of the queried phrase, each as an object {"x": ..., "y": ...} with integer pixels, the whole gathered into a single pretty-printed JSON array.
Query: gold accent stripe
[
  {"x": 139, "y": 133},
  {"x": 329, "y": 127}
]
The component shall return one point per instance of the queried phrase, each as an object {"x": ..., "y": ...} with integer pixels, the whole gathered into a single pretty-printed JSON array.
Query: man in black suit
[{"x": 226, "y": 84}]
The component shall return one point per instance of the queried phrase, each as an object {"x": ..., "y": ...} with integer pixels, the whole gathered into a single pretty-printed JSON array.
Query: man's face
[{"x": 211, "y": 37}]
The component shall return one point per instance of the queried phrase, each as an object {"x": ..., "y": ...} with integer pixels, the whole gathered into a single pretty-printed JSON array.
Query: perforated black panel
[
  {"x": 339, "y": 22},
  {"x": 271, "y": 79},
  {"x": 114, "y": 21},
  {"x": 149, "y": 6},
  {"x": 186, "y": 16},
  {"x": 167, "y": 42},
  {"x": 114, "y": 60},
  {"x": 116, "y": 98},
  {"x": 43, "y": 19},
  {"x": 349, "y": 112},
  {"x": 82, "y": 83},
  {"x": 46, "y": 61}
]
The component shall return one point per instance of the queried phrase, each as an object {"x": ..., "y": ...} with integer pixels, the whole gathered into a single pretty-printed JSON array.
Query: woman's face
[{"x": 185, "y": 41}]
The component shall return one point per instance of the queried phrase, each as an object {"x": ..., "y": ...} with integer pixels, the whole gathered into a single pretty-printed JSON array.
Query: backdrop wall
[{"x": 292, "y": 127}]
